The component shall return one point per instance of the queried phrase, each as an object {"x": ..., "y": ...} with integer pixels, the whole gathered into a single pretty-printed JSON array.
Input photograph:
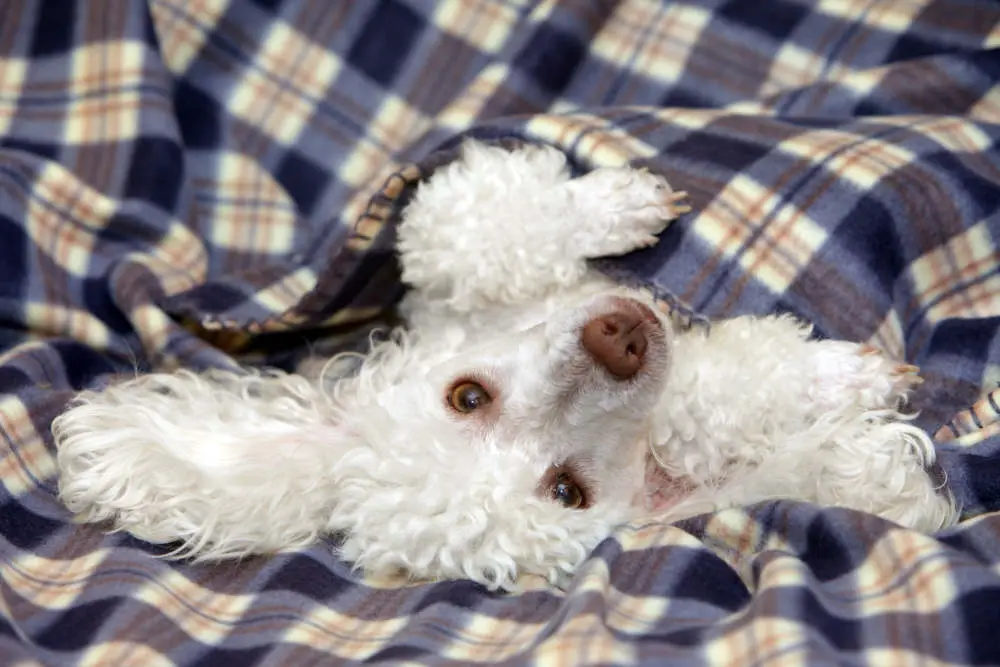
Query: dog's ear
[{"x": 224, "y": 464}]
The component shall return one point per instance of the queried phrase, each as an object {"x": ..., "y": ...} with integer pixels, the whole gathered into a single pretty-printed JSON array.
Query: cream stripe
[
  {"x": 123, "y": 654},
  {"x": 282, "y": 295},
  {"x": 12, "y": 71},
  {"x": 326, "y": 630},
  {"x": 774, "y": 262},
  {"x": 201, "y": 613},
  {"x": 53, "y": 585},
  {"x": 976, "y": 257},
  {"x": 180, "y": 42},
  {"x": 29, "y": 460}
]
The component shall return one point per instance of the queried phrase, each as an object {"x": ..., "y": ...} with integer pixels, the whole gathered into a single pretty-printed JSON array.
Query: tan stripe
[
  {"x": 397, "y": 124},
  {"x": 905, "y": 571},
  {"x": 482, "y": 24},
  {"x": 865, "y": 162},
  {"x": 53, "y": 584},
  {"x": 29, "y": 460},
  {"x": 581, "y": 639},
  {"x": 183, "y": 27},
  {"x": 282, "y": 295},
  {"x": 664, "y": 54},
  {"x": 485, "y": 91},
  {"x": 123, "y": 654},
  {"x": 751, "y": 213},
  {"x": 972, "y": 255},
  {"x": 304, "y": 71},
  {"x": 617, "y": 41},
  {"x": 977, "y": 436},
  {"x": 246, "y": 210},
  {"x": 326, "y": 630},
  {"x": 12, "y": 69},
  {"x": 764, "y": 641}
]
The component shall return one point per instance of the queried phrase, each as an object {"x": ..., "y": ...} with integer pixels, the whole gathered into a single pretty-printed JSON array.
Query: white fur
[{"x": 494, "y": 246}]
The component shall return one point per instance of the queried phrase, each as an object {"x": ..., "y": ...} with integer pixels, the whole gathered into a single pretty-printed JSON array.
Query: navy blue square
[
  {"x": 385, "y": 41},
  {"x": 454, "y": 594},
  {"x": 684, "y": 98},
  {"x": 304, "y": 576},
  {"x": 220, "y": 655},
  {"x": 872, "y": 106},
  {"x": 828, "y": 556},
  {"x": 22, "y": 527},
  {"x": 198, "y": 116},
  {"x": 131, "y": 230},
  {"x": 54, "y": 27},
  {"x": 551, "y": 57},
  {"x": 709, "y": 580},
  {"x": 729, "y": 152},
  {"x": 981, "y": 191},
  {"x": 97, "y": 299},
  {"x": 10, "y": 338},
  {"x": 269, "y": 5},
  {"x": 403, "y": 652},
  {"x": 12, "y": 381},
  {"x": 987, "y": 62},
  {"x": 47, "y": 151},
  {"x": 13, "y": 258},
  {"x": 979, "y": 622},
  {"x": 911, "y": 47},
  {"x": 843, "y": 633},
  {"x": 303, "y": 181},
  {"x": 868, "y": 235},
  {"x": 76, "y": 627},
  {"x": 776, "y": 18},
  {"x": 81, "y": 363},
  {"x": 209, "y": 298},
  {"x": 155, "y": 172},
  {"x": 149, "y": 31},
  {"x": 968, "y": 338}
]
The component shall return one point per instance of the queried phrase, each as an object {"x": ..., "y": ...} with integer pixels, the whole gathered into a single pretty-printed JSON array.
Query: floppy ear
[{"x": 226, "y": 464}]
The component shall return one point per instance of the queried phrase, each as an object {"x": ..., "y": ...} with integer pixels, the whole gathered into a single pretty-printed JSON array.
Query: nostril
[{"x": 617, "y": 341}]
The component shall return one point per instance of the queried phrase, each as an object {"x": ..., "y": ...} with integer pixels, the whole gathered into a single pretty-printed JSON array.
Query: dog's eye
[
  {"x": 567, "y": 492},
  {"x": 468, "y": 397}
]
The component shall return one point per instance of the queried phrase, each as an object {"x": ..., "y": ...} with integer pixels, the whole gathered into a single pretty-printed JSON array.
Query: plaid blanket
[{"x": 193, "y": 183}]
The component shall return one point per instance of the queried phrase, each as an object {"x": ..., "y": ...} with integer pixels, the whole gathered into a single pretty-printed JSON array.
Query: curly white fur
[{"x": 227, "y": 464}]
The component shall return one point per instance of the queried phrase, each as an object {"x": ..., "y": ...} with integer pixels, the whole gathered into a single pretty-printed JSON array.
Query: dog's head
[{"x": 505, "y": 455}]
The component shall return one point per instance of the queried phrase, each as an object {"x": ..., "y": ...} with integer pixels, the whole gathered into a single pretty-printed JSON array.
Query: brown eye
[
  {"x": 468, "y": 397},
  {"x": 566, "y": 492}
]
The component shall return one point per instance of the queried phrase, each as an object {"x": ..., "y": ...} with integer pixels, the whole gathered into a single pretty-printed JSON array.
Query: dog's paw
[
  {"x": 625, "y": 209},
  {"x": 902, "y": 378},
  {"x": 862, "y": 374}
]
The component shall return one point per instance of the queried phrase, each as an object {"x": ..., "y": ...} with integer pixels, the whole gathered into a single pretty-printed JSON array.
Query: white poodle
[{"x": 529, "y": 408}]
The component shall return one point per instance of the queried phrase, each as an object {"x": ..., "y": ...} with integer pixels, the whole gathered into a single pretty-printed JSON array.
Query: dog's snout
[{"x": 617, "y": 341}]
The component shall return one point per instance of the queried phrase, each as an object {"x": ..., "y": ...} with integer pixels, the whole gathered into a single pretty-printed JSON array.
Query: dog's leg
[
  {"x": 878, "y": 462},
  {"x": 820, "y": 418},
  {"x": 778, "y": 353},
  {"x": 620, "y": 209},
  {"x": 849, "y": 372},
  {"x": 224, "y": 465},
  {"x": 498, "y": 228}
]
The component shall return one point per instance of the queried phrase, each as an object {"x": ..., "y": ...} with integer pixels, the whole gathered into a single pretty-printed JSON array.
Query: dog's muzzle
[{"x": 618, "y": 340}]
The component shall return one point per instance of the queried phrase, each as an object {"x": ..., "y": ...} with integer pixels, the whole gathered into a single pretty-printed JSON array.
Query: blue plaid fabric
[{"x": 198, "y": 183}]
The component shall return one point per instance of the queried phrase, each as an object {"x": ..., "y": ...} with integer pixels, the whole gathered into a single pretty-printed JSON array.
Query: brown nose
[{"x": 617, "y": 341}]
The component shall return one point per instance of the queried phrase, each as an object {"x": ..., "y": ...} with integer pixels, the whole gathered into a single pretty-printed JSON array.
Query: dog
[{"x": 529, "y": 407}]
